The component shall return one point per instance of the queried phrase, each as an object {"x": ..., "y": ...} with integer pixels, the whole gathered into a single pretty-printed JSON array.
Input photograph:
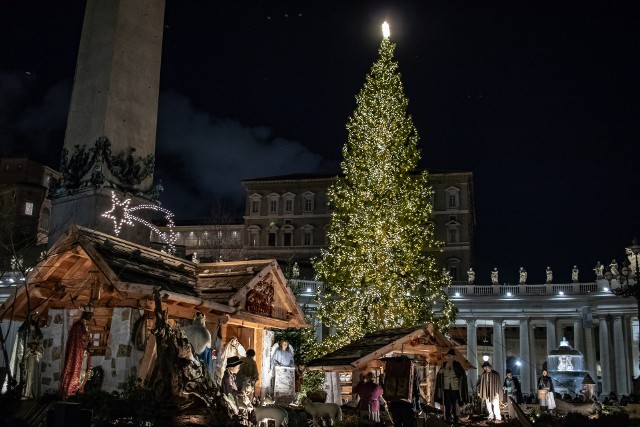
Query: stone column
[
  {"x": 605, "y": 361},
  {"x": 578, "y": 340},
  {"x": 552, "y": 342},
  {"x": 533, "y": 374},
  {"x": 621, "y": 385},
  {"x": 525, "y": 353},
  {"x": 498, "y": 362},
  {"x": 590, "y": 352},
  {"x": 472, "y": 351}
]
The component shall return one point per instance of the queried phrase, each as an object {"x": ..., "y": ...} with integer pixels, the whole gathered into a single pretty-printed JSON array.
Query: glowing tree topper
[{"x": 121, "y": 214}]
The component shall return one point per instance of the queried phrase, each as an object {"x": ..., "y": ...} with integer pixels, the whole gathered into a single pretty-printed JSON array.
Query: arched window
[
  {"x": 253, "y": 232},
  {"x": 453, "y": 266},
  {"x": 307, "y": 235}
]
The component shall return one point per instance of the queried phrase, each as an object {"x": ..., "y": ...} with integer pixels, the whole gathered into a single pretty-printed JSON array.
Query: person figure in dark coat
[
  {"x": 511, "y": 388},
  {"x": 545, "y": 392},
  {"x": 451, "y": 386},
  {"x": 489, "y": 389}
]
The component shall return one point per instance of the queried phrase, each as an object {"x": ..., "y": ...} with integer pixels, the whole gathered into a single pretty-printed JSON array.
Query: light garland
[{"x": 121, "y": 214}]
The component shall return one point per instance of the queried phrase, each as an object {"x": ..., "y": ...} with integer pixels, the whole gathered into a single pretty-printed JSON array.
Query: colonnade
[{"x": 609, "y": 360}]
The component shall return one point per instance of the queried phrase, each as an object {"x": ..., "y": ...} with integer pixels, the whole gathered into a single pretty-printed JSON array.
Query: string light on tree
[
  {"x": 378, "y": 268},
  {"x": 121, "y": 214}
]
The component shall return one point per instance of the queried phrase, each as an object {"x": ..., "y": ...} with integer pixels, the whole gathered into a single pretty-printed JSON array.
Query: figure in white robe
[{"x": 233, "y": 348}]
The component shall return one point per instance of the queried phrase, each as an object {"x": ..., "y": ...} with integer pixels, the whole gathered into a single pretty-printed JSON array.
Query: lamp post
[{"x": 627, "y": 289}]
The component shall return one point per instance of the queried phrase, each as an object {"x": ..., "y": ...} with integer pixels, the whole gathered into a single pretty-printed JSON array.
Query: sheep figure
[
  {"x": 318, "y": 411},
  {"x": 275, "y": 413}
]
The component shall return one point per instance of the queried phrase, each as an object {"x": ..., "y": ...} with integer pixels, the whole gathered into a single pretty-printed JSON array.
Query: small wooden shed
[
  {"x": 117, "y": 279},
  {"x": 422, "y": 343}
]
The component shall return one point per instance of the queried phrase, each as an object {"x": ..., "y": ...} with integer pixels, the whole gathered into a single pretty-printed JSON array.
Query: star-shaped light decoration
[{"x": 121, "y": 214}]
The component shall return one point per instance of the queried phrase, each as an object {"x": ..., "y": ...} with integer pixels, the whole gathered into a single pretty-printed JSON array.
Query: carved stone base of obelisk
[{"x": 87, "y": 207}]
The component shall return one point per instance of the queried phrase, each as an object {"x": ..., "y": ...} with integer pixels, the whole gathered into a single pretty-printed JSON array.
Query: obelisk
[{"x": 110, "y": 137}]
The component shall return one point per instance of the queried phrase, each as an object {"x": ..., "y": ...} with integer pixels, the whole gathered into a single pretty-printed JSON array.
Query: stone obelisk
[{"x": 110, "y": 137}]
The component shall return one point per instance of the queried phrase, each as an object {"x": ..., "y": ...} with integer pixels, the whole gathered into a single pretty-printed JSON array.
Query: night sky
[{"x": 540, "y": 100}]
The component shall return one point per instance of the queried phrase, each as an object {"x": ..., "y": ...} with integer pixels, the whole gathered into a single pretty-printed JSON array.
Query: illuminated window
[
  {"x": 254, "y": 235},
  {"x": 28, "y": 208}
]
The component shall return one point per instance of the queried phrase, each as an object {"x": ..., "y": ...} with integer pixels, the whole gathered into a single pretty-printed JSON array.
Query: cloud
[
  {"x": 202, "y": 159},
  {"x": 199, "y": 158}
]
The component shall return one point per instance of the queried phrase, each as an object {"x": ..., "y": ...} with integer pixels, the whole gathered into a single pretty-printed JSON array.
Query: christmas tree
[{"x": 378, "y": 268}]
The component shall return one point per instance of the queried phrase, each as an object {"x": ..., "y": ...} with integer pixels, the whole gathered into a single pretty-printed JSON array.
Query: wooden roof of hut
[
  {"x": 86, "y": 267},
  {"x": 421, "y": 340}
]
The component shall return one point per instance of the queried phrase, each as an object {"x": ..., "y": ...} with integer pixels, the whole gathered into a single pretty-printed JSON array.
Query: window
[
  {"x": 308, "y": 199},
  {"x": 273, "y": 203},
  {"x": 453, "y": 265},
  {"x": 254, "y": 235},
  {"x": 28, "y": 208},
  {"x": 307, "y": 235},
  {"x": 453, "y": 197},
  {"x": 287, "y": 235},
  {"x": 288, "y": 238},
  {"x": 288, "y": 202},
  {"x": 453, "y": 232},
  {"x": 272, "y": 238},
  {"x": 191, "y": 239},
  {"x": 254, "y": 203}
]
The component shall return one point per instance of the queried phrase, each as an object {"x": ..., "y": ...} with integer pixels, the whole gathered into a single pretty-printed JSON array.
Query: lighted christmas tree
[{"x": 378, "y": 268}]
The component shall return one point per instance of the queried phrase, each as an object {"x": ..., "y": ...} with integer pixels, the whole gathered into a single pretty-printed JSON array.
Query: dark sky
[{"x": 540, "y": 100}]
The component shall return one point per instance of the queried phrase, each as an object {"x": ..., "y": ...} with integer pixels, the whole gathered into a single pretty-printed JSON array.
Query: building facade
[
  {"x": 286, "y": 218},
  {"x": 517, "y": 326},
  {"x": 25, "y": 207}
]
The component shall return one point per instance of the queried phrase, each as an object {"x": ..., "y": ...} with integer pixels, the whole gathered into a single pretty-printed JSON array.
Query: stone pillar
[
  {"x": 552, "y": 342},
  {"x": 578, "y": 340},
  {"x": 113, "y": 114},
  {"x": 533, "y": 373},
  {"x": 121, "y": 358},
  {"x": 498, "y": 362},
  {"x": 117, "y": 81},
  {"x": 621, "y": 384},
  {"x": 525, "y": 353},
  {"x": 590, "y": 352},
  {"x": 605, "y": 361},
  {"x": 472, "y": 351}
]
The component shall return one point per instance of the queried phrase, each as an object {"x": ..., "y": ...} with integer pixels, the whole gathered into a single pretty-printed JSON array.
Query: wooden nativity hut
[
  {"x": 115, "y": 280},
  {"x": 423, "y": 344}
]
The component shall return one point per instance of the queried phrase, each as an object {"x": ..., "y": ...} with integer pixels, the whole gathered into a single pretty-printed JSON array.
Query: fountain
[{"x": 565, "y": 367}]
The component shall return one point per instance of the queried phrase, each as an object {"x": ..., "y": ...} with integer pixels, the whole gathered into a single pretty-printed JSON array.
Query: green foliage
[{"x": 378, "y": 269}]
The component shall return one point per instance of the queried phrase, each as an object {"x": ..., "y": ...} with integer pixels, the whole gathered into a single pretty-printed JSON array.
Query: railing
[
  {"x": 459, "y": 289},
  {"x": 310, "y": 287},
  {"x": 305, "y": 287}
]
